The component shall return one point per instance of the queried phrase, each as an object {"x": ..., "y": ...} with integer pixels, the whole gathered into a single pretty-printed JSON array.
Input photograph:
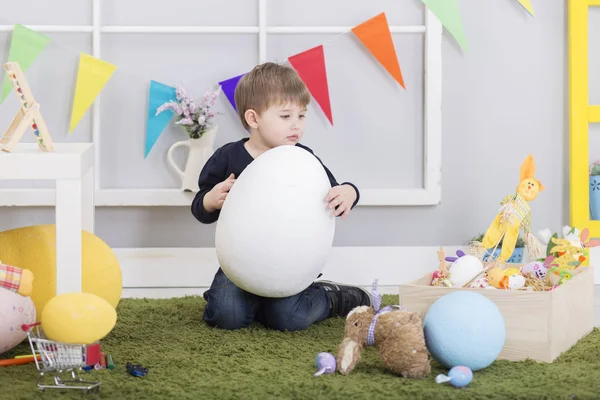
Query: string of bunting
[
  {"x": 310, "y": 64},
  {"x": 93, "y": 74}
]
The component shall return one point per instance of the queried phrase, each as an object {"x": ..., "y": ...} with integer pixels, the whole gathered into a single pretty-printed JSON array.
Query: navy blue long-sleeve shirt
[{"x": 233, "y": 158}]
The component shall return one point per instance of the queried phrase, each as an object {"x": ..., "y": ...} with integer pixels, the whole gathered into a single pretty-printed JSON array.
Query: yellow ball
[
  {"x": 78, "y": 318},
  {"x": 34, "y": 248}
]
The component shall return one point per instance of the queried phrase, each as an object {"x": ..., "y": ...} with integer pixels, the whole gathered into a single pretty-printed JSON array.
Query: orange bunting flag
[
  {"x": 310, "y": 65},
  {"x": 376, "y": 36}
]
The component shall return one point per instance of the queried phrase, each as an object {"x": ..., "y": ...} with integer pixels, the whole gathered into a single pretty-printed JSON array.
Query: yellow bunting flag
[
  {"x": 91, "y": 78},
  {"x": 527, "y": 6}
]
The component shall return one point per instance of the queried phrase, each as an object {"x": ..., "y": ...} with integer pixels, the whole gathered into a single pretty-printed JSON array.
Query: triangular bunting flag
[
  {"x": 25, "y": 47},
  {"x": 310, "y": 65},
  {"x": 91, "y": 78},
  {"x": 527, "y": 6},
  {"x": 228, "y": 86},
  {"x": 376, "y": 36},
  {"x": 159, "y": 94},
  {"x": 447, "y": 12}
]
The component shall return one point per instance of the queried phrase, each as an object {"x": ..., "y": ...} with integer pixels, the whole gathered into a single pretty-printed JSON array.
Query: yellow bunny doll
[{"x": 515, "y": 213}]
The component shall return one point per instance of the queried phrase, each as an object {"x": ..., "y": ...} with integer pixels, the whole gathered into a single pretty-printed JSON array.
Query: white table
[{"x": 71, "y": 165}]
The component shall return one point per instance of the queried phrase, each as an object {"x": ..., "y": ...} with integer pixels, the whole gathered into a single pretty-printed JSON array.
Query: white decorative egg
[
  {"x": 15, "y": 310},
  {"x": 464, "y": 269},
  {"x": 274, "y": 233},
  {"x": 516, "y": 282}
]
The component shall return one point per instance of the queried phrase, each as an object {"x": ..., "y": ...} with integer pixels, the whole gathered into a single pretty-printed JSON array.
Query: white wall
[{"x": 503, "y": 99}]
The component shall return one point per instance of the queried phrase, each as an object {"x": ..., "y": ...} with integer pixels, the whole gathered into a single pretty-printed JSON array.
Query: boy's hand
[
  {"x": 342, "y": 197},
  {"x": 214, "y": 199}
]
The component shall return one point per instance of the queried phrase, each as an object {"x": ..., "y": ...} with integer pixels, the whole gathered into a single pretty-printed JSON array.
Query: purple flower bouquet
[{"x": 194, "y": 119}]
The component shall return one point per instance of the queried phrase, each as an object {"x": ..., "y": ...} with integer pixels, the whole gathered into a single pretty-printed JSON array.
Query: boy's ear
[
  {"x": 527, "y": 168},
  {"x": 251, "y": 118}
]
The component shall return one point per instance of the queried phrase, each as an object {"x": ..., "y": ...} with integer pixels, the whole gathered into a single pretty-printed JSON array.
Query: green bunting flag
[
  {"x": 447, "y": 12},
  {"x": 25, "y": 47}
]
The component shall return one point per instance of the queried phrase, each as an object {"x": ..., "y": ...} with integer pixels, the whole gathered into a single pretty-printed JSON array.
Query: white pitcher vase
[{"x": 199, "y": 151}]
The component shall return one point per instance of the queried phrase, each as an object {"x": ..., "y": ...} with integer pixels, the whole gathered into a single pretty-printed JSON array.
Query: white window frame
[{"x": 429, "y": 194}]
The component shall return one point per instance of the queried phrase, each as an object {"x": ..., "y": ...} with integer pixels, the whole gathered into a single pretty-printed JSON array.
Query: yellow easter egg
[
  {"x": 512, "y": 271},
  {"x": 78, "y": 318},
  {"x": 34, "y": 248}
]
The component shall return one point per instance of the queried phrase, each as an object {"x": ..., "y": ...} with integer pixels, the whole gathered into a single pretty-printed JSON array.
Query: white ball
[
  {"x": 275, "y": 233},
  {"x": 464, "y": 269},
  {"x": 15, "y": 310}
]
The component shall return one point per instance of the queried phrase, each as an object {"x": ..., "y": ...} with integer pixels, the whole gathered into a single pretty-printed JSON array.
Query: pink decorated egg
[
  {"x": 480, "y": 283},
  {"x": 15, "y": 310}
]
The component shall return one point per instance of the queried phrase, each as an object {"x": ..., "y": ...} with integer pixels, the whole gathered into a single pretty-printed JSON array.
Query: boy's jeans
[{"x": 230, "y": 307}]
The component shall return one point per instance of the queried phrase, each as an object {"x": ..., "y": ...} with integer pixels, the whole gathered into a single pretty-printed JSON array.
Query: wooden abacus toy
[{"x": 29, "y": 114}]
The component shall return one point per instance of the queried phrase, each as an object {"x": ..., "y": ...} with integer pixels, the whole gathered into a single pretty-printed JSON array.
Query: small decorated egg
[
  {"x": 480, "y": 283},
  {"x": 458, "y": 376},
  {"x": 515, "y": 282},
  {"x": 326, "y": 364}
]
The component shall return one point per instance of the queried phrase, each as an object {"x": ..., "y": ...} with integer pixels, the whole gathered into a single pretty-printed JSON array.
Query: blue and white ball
[{"x": 464, "y": 328}]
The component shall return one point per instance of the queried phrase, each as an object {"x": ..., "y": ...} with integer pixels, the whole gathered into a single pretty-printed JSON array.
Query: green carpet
[{"x": 188, "y": 360}]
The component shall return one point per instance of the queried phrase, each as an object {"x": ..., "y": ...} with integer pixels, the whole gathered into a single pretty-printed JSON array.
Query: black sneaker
[{"x": 344, "y": 297}]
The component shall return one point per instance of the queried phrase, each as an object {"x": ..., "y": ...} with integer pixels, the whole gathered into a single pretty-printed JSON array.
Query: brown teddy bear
[{"x": 397, "y": 334}]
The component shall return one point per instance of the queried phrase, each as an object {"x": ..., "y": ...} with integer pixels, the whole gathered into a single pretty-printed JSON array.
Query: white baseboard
[{"x": 177, "y": 272}]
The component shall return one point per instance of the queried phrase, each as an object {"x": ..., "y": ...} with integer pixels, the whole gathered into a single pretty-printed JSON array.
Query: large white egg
[
  {"x": 275, "y": 233},
  {"x": 15, "y": 310}
]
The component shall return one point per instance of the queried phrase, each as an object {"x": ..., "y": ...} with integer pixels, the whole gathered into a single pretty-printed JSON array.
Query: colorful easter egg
[
  {"x": 325, "y": 363},
  {"x": 459, "y": 376}
]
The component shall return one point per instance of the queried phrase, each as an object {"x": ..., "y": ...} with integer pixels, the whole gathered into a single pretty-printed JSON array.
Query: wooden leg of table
[
  {"x": 88, "y": 201},
  {"x": 69, "y": 201}
]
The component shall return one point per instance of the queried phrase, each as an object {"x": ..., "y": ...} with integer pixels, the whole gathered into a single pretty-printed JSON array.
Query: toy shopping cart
[{"x": 59, "y": 358}]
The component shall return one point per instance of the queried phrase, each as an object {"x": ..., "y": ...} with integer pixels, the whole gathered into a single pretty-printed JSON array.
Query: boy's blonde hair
[{"x": 267, "y": 84}]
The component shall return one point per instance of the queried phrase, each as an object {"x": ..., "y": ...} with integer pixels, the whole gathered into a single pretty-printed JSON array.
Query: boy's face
[{"x": 281, "y": 124}]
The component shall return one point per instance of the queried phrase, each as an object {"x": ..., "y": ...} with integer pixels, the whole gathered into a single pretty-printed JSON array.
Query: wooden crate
[{"x": 539, "y": 325}]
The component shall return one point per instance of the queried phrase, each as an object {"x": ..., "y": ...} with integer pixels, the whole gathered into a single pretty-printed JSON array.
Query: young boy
[{"x": 271, "y": 102}]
